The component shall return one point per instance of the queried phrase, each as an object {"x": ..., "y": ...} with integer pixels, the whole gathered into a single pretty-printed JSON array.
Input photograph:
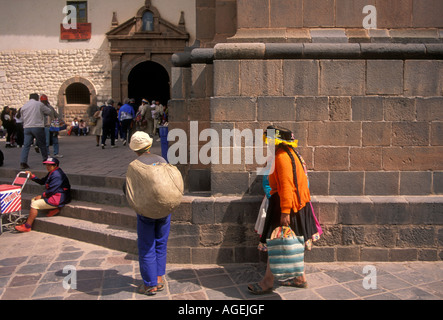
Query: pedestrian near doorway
[
  {"x": 126, "y": 116},
  {"x": 109, "y": 118},
  {"x": 33, "y": 114},
  {"x": 8, "y": 124},
  {"x": 51, "y": 136}
]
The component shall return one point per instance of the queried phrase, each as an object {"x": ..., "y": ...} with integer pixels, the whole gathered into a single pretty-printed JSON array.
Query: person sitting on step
[{"x": 56, "y": 195}]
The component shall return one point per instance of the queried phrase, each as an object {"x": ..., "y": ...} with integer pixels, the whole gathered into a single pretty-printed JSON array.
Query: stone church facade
[{"x": 359, "y": 82}]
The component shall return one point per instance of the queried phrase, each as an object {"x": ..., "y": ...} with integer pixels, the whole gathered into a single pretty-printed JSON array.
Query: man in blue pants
[
  {"x": 33, "y": 115},
  {"x": 152, "y": 233},
  {"x": 152, "y": 246}
]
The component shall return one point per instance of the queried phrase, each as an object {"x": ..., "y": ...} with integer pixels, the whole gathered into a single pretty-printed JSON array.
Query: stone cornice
[{"x": 240, "y": 51}]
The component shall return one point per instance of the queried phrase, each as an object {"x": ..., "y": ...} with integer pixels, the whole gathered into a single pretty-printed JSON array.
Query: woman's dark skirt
[{"x": 301, "y": 222}]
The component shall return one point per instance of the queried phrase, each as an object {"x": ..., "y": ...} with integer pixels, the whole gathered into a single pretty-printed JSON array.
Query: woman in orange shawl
[{"x": 289, "y": 204}]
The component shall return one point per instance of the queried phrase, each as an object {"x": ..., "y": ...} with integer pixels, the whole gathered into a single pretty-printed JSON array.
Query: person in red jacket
[
  {"x": 289, "y": 204},
  {"x": 56, "y": 195}
]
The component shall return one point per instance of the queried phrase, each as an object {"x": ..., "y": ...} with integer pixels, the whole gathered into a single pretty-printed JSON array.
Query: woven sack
[
  {"x": 155, "y": 190},
  {"x": 286, "y": 253}
]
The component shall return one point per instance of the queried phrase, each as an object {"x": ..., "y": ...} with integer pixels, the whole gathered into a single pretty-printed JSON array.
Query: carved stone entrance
[{"x": 146, "y": 37}]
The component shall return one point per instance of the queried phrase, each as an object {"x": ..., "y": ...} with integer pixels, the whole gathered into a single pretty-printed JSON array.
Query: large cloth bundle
[{"x": 155, "y": 190}]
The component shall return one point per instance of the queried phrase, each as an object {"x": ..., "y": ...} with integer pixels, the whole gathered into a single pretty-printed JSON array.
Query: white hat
[{"x": 140, "y": 140}]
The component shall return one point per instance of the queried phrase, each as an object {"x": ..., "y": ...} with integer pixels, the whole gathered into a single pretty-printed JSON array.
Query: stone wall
[
  {"x": 45, "y": 71},
  {"x": 396, "y": 14},
  {"x": 365, "y": 127},
  {"x": 368, "y": 120}
]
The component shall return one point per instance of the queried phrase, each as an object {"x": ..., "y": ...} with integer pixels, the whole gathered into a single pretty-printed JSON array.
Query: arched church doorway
[{"x": 149, "y": 80}]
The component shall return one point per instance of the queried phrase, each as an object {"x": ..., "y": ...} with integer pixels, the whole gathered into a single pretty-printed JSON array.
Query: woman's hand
[{"x": 285, "y": 219}]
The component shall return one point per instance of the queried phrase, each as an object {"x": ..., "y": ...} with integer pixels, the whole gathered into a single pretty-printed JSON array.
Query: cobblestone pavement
[{"x": 36, "y": 265}]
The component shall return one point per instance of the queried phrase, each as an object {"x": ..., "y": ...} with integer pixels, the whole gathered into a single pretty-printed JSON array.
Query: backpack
[{"x": 140, "y": 120}]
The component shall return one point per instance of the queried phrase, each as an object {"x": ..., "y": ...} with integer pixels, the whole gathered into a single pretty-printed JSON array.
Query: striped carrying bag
[{"x": 286, "y": 253}]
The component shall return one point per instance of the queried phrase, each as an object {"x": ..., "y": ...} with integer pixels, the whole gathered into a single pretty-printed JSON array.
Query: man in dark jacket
[
  {"x": 109, "y": 117},
  {"x": 57, "y": 193}
]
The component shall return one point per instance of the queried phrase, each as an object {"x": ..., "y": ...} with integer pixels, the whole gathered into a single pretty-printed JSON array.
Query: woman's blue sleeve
[{"x": 266, "y": 186}]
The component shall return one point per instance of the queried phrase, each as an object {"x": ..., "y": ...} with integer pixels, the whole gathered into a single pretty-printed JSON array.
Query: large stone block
[
  {"x": 419, "y": 236},
  {"x": 366, "y": 159},
  {"x": 261, "y": 77},
  {"x": 427, "y": 14},
  {"x": 181, "y": 82},
  {"x": 340, "y": 108},
  {"x": 413, "y": 158},
  {"x": 233, "y": 109},
  {"x": 205, "y": 17},
  {"x": 325, "y": 209},
  {"x": 252, "y": 14},
  {"x": 286, "y": 13},
  {"x": 348, "y": 254},
  {"x": 301, "y": 77},
  {"x": 376, "y": 133},
  {"x": 382, "y": 183},
  {"x": 178, "y": 110},
  {"x": 410, "y": 133},
  {"x": 226, "y": 17},
  {"x": 367, "y": 108},
  {"x": 429, "y": 109},
  {"x": 331, "y": 158},
  {"x": 399, "y": 109},
  {"x": 394, "y": 14},
  {"x": 374, "y": 254},
  {"x": 226, "y": 78},
  {"x": 202, "y": 80},
  {"x": 415, "y": 183},
  {"x": 318, "y": 13},
  {"x": 342, "y": 77},
  {"x": 275, "y": 108},
  {"x": 334, "y": 134},
  {"x": 437, "y": 134},
  {"x": 203, "y": 211},
  {"x": 229, "y": 183},
  {"x": 319, "y": 183},
  {"x": 384, "y": 77},
  {"x": 425, "y": 210},
  {"x": 350, "y": 13},
  {"x": 312, "y": 108},
  {"x": 198, "y": 109},
  {"x": 423, "y": 78},
  {"x": 356, "y": 211},
  {"x": 346, "y": 183},
  {"x": 438, "y": 183}
]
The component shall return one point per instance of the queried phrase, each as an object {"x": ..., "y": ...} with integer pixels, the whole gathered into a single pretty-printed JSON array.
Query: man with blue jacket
[
  {"x": 56, "y": 195},
  {"x": 126, "y": 116}
]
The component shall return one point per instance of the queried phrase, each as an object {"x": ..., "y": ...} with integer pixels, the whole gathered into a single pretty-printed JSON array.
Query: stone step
[
  {"x": 85, "y": 192},
  {"x": 106, "y": 235},
  {"x": 207, "y": 229}
]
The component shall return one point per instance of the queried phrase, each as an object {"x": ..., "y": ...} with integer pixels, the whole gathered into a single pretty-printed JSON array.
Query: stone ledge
[{"x": 262, "y": 51}]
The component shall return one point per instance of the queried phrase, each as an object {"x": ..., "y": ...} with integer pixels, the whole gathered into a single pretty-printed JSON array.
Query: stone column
[{"x": 116, "y": 76}]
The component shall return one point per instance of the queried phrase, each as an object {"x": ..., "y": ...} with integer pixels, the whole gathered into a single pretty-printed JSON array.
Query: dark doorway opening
[{"x": 149, "y": 80}]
